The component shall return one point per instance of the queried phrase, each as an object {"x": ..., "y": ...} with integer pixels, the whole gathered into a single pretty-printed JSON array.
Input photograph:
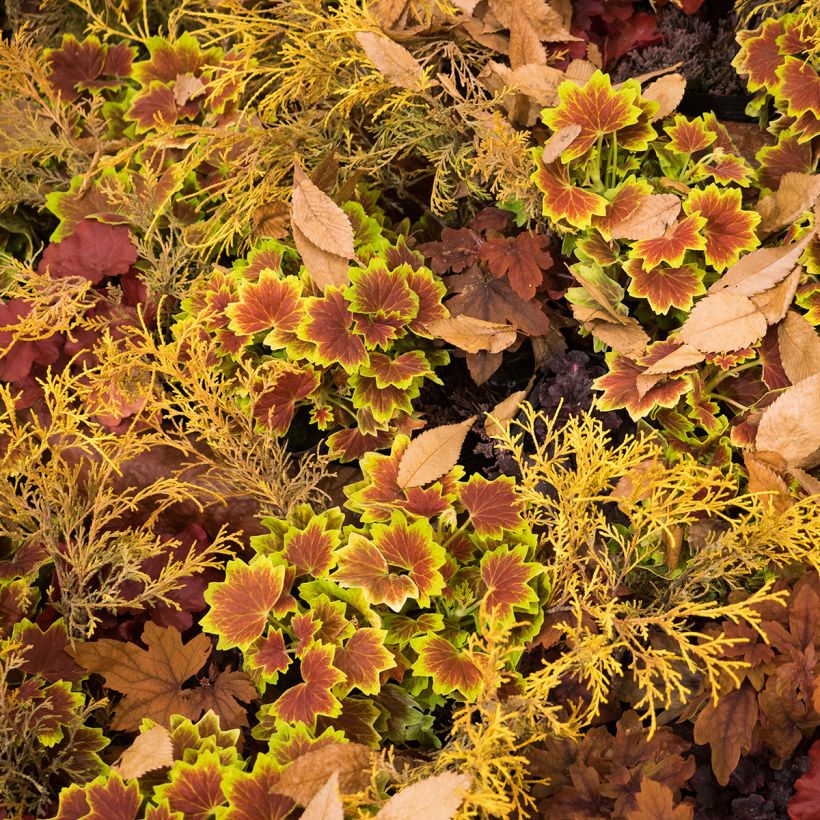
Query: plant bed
[{"x": 409, "y": 409}]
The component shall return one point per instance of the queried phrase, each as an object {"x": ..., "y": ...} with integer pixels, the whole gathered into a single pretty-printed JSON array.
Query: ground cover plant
[{"x": 405, "y": 410}]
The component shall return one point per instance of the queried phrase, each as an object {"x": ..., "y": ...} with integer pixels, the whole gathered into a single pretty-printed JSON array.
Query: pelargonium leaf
[
  {"x": 506, "y": 575},
  {"x": 688, "y": 136},
  {"x": 363, "y": 658},
  {"x": 494, "y": 506},
  {"x": 681, "y": 236},
  {"x": 327, "y": 324},
  {"x": 312, "y": 697},
  {"x": 664, "y": 286},
  {"x": 728, "y": 229},
  {"x": 239, "y": 606},
  {"x": 563, "y": 200},
  {"x": 451, "y": 669},
  {"x": 269, "y": 304},
  {"x": 596, "y": 107},
  {"x": 194, "y": 788}
]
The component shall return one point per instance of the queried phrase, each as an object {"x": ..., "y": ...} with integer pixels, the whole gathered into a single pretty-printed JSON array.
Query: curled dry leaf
[
  {"x": 765, "y": 480},
  {"x": 667, "y": 91},
  {"x": 430, "y": 455},
  {"x": 559, "y": 142},
  {"x": 774, "y": 302},
  {"x": 650, "y": 219},
  {"x": 392, "y": 60},
  {"x": 504, "y": 411},
  {"x": 629, "y": 338},
  {"x": 473, "y": 335},
  {"x": 326, "y": 803},
  {"x": 150, "y": 751},
  {"x": 761, "y": 269},
  {"x": 799, "y": 346},
  {"x": 796, "y": 195},
  {"x": 683, "y": 356},
  {"x": 319, "y": 218},
  {"x": 790, "y": 426},
  {"x": 272, "y": 219},
  {"x": 436, "y": 798},
  {"x": 350, "y": 763},
  {"x": 723, "y": 321},
  {"x": 325, "y": 268}
]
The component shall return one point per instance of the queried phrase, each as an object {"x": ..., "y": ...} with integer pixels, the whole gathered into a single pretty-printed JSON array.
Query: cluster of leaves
[{"x": 654, "y": 215}]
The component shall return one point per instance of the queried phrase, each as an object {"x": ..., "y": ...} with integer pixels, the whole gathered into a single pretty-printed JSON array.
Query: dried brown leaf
[
  {"x": 667, "y": 91},
  {"x": 790, "y": 426},
  {"x": 796, "y": 195},
  {"x": 559, "y": 142},
  {"x": 761, "y": 269},
  {"x": 319, "y": 218},
  {"x": 431, "y": 454},
  {"x": 150, "y": 751},
  {"x": 721, "y": 322},
  {"x": 472, "y": 335},
  {"x": 436, "y": 798},
  {"x": 799, "y": 345},
  {"x": 627, "y": 338},
  {"x": 352, "y": 764},
  {"x": 325, "y": 268},
  {"x": 681, "y": 357},
  {"x": 774, "y": 302},
  {"x": 392, "y": 60},
  {"x": 326, "y": 803},
  {"x": 767, "y": 481},
  {"x": 504, "y": 411},
  {"x": 272, "y": 219},
  {"x": 650, "y": 219}
]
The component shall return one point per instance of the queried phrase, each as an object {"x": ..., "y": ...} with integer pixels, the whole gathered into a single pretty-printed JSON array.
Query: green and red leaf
[
  {"x": 665, "y": 287},
  {"x": 800, "y": 86},
  {"x": 269, "y": 304},
  {"x": 274, "y": 405},
  {"x": 596, "y": 108},
  {"x": 239, "y": 606},
  {"x": 363, "y": 658},
  {"x": 623, "y": 202},
  {"x": 506, "y": 576},
  {"x": 451, "y": 669},
  {"x": 563, "y": 200},
  {"x": 252, "y": 795},
  {"x": 312, "y": 697},
  {"x": 327, "y": 324},
  {"x": 106, "y": 797},
  {"x": 688, "y": 136},
  {"x": 728, "y": 229},
  {"x": 680, "y": 237},
  {"x": 788, "y": 155},
  {"x": 266, "y": 658},
  {"x": 494, "y": 506},
  {"x": 759, "y": 57},
  {"x": 311, "y": 549},
  {"x": 397, "y": 371},
  {"x": 194, "y": 789}
]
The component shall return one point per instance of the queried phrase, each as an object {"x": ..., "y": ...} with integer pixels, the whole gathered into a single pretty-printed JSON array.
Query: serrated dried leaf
[
  {"x": 473, "y": 335},
  {"x": 430, "y": 455},
  {"x": 325, "y": 268},
  {"x": 799, "y": 345},
  {"x": 790, "y": 426},
  {"x": 483, "y": 364},
  {"x": 436, "y": 798},
  {"x": 559, "y": 142},
  {"x": 150, "y": 751},
  {"x": 796, "y": 195},
  {"x": 667, "y": 91},
  {"x": 319, "y": 218},
  {"x": 580, "y": 71},
  {"x": 186, "y": 87},
  {"x": 392, "y": 60},
  {"x": 654, "y": 214},
  {"x": 303, "y": 779},
  {"x": 504, "y": 411},
  {"x": 766, "y": 481},
  {"x": 721, "y": 322},
  {"x": 774, "y": 302},
  {"x": 272, "y": 219},
  {"x": 627, "y": 338},
  {"x": 326, "y": 803},
  {"x": 761, "y": 269},
  {"x": 684, "y": 356}
]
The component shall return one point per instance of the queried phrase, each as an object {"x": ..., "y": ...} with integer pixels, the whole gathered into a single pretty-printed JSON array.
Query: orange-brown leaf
[{"x": 430, "y": 455}]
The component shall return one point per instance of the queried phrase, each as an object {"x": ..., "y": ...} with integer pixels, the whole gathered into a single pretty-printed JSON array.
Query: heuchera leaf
[
  {"x": 449, "y": 668},
  {"x": 275, "y": 404},
  {"x": 363, "y": 658},
  {"x": 494, "y": 506},
  {"x": 239, "y": 606},
  {"x": 522, "y": 259},
  {"x": 77, "y": 66},
  {"x": 563, "y": 200},
  {"x": 596, "y": 107},
  {"x": 328, "y": 322},
  {"x": 94, "y": 250},
  {"x": 151, "y": 679},
  {"x": 665, "y": 287},
  {"x": 506, "y": 574},
  {"x": 728, "y": 229},
  {"x": 312, "y": 697}
]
